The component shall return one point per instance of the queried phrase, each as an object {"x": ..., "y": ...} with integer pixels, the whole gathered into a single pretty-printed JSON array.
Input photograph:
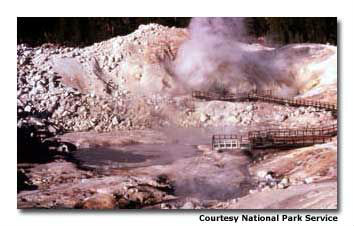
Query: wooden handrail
[{"x": 274, "y": 136}]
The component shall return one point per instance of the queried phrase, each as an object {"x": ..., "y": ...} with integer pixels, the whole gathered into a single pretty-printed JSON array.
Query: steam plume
[{"x": 216, "y": 56}]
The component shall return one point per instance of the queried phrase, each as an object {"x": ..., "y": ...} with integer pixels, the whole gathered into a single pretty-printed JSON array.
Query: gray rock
[
  {"x": 28, "y": 108},
  {"x": 63, "y": 148},
  {"x": 99, "y": 201},
  {"x": 24, "y": 61},
  {"x": 75, "y": 54},
  {"x": 19, "y": 103},
  {"x": 261, "y": 174},
  {"x": 250, "y": 108},
  {"x": 37, "y": 77},
  {"x": 39, "y": 51},
  {"x": 285, "y": 182},
  {"x": 252, "y": 191},
  {"x": 281, "y": 118},
  {"x": 115, "y": 120},
  {"x": 52, "y": 129},
  {"x": 36, "y": 121},
  {"x": 44, "y": 81},
  {"x": 262, "y": 184},
  {"x": 204, "y": 117},
  {"x": 308, "y": 180},
  {"x": 188, "y": 205}
]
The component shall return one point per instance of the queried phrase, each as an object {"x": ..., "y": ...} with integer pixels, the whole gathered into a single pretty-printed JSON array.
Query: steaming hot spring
[{"x": 133, "y": 137}]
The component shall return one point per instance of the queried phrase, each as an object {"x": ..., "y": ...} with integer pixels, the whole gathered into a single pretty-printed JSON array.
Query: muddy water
[
  {"x": 132, "y": 156},
  {"x": 205, "y": 175}
]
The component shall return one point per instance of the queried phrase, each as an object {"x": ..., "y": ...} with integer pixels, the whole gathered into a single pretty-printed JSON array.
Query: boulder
[
  {"x": 261, "y": 174},
  {"x": 115, "y": 120},
  {"x": 308, "y": 180},
  {"x": 28, "y": 108},
  {"x": 99, "y": 201},
  {"x": 204, "y": 117},
  {"x": 285, "y": 182},
  {"x": 188, "y": 205}
]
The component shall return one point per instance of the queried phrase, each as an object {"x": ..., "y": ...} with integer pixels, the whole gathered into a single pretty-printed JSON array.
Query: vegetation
[
  {"x": 85, "y": 31},
  {"x": 294, "y": 29}
]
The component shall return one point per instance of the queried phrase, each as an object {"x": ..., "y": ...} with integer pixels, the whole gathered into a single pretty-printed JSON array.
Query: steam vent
[{"x": 177, "y": 113}]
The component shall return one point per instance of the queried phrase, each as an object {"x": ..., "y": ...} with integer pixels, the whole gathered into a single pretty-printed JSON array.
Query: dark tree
[{"x": 85, "y": 31}]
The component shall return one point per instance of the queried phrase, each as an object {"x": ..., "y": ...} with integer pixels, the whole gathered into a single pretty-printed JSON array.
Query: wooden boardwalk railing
[
  {"x": 228, "y": 142},
  {"x": 271, "y": 138},
  {"x": 265, "y": 96}
]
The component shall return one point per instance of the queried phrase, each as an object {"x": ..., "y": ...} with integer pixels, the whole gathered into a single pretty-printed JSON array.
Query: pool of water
[
  {"x": 137, "y": 155},
  {"x": 194, "y": 173}
]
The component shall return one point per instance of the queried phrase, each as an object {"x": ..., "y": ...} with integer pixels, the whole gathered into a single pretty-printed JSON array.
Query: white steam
[{"x": 216, "y": 56}]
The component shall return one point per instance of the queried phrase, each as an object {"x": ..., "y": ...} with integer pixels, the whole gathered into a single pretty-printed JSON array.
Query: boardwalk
[
  {"x": 265, "y": 96},
  {"x": 271, "y": 138}
]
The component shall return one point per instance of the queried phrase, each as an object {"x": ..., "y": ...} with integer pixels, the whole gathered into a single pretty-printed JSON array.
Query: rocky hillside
[
  {"x": 97, "y": 87},
  {"x": 126, "y": 82}
]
